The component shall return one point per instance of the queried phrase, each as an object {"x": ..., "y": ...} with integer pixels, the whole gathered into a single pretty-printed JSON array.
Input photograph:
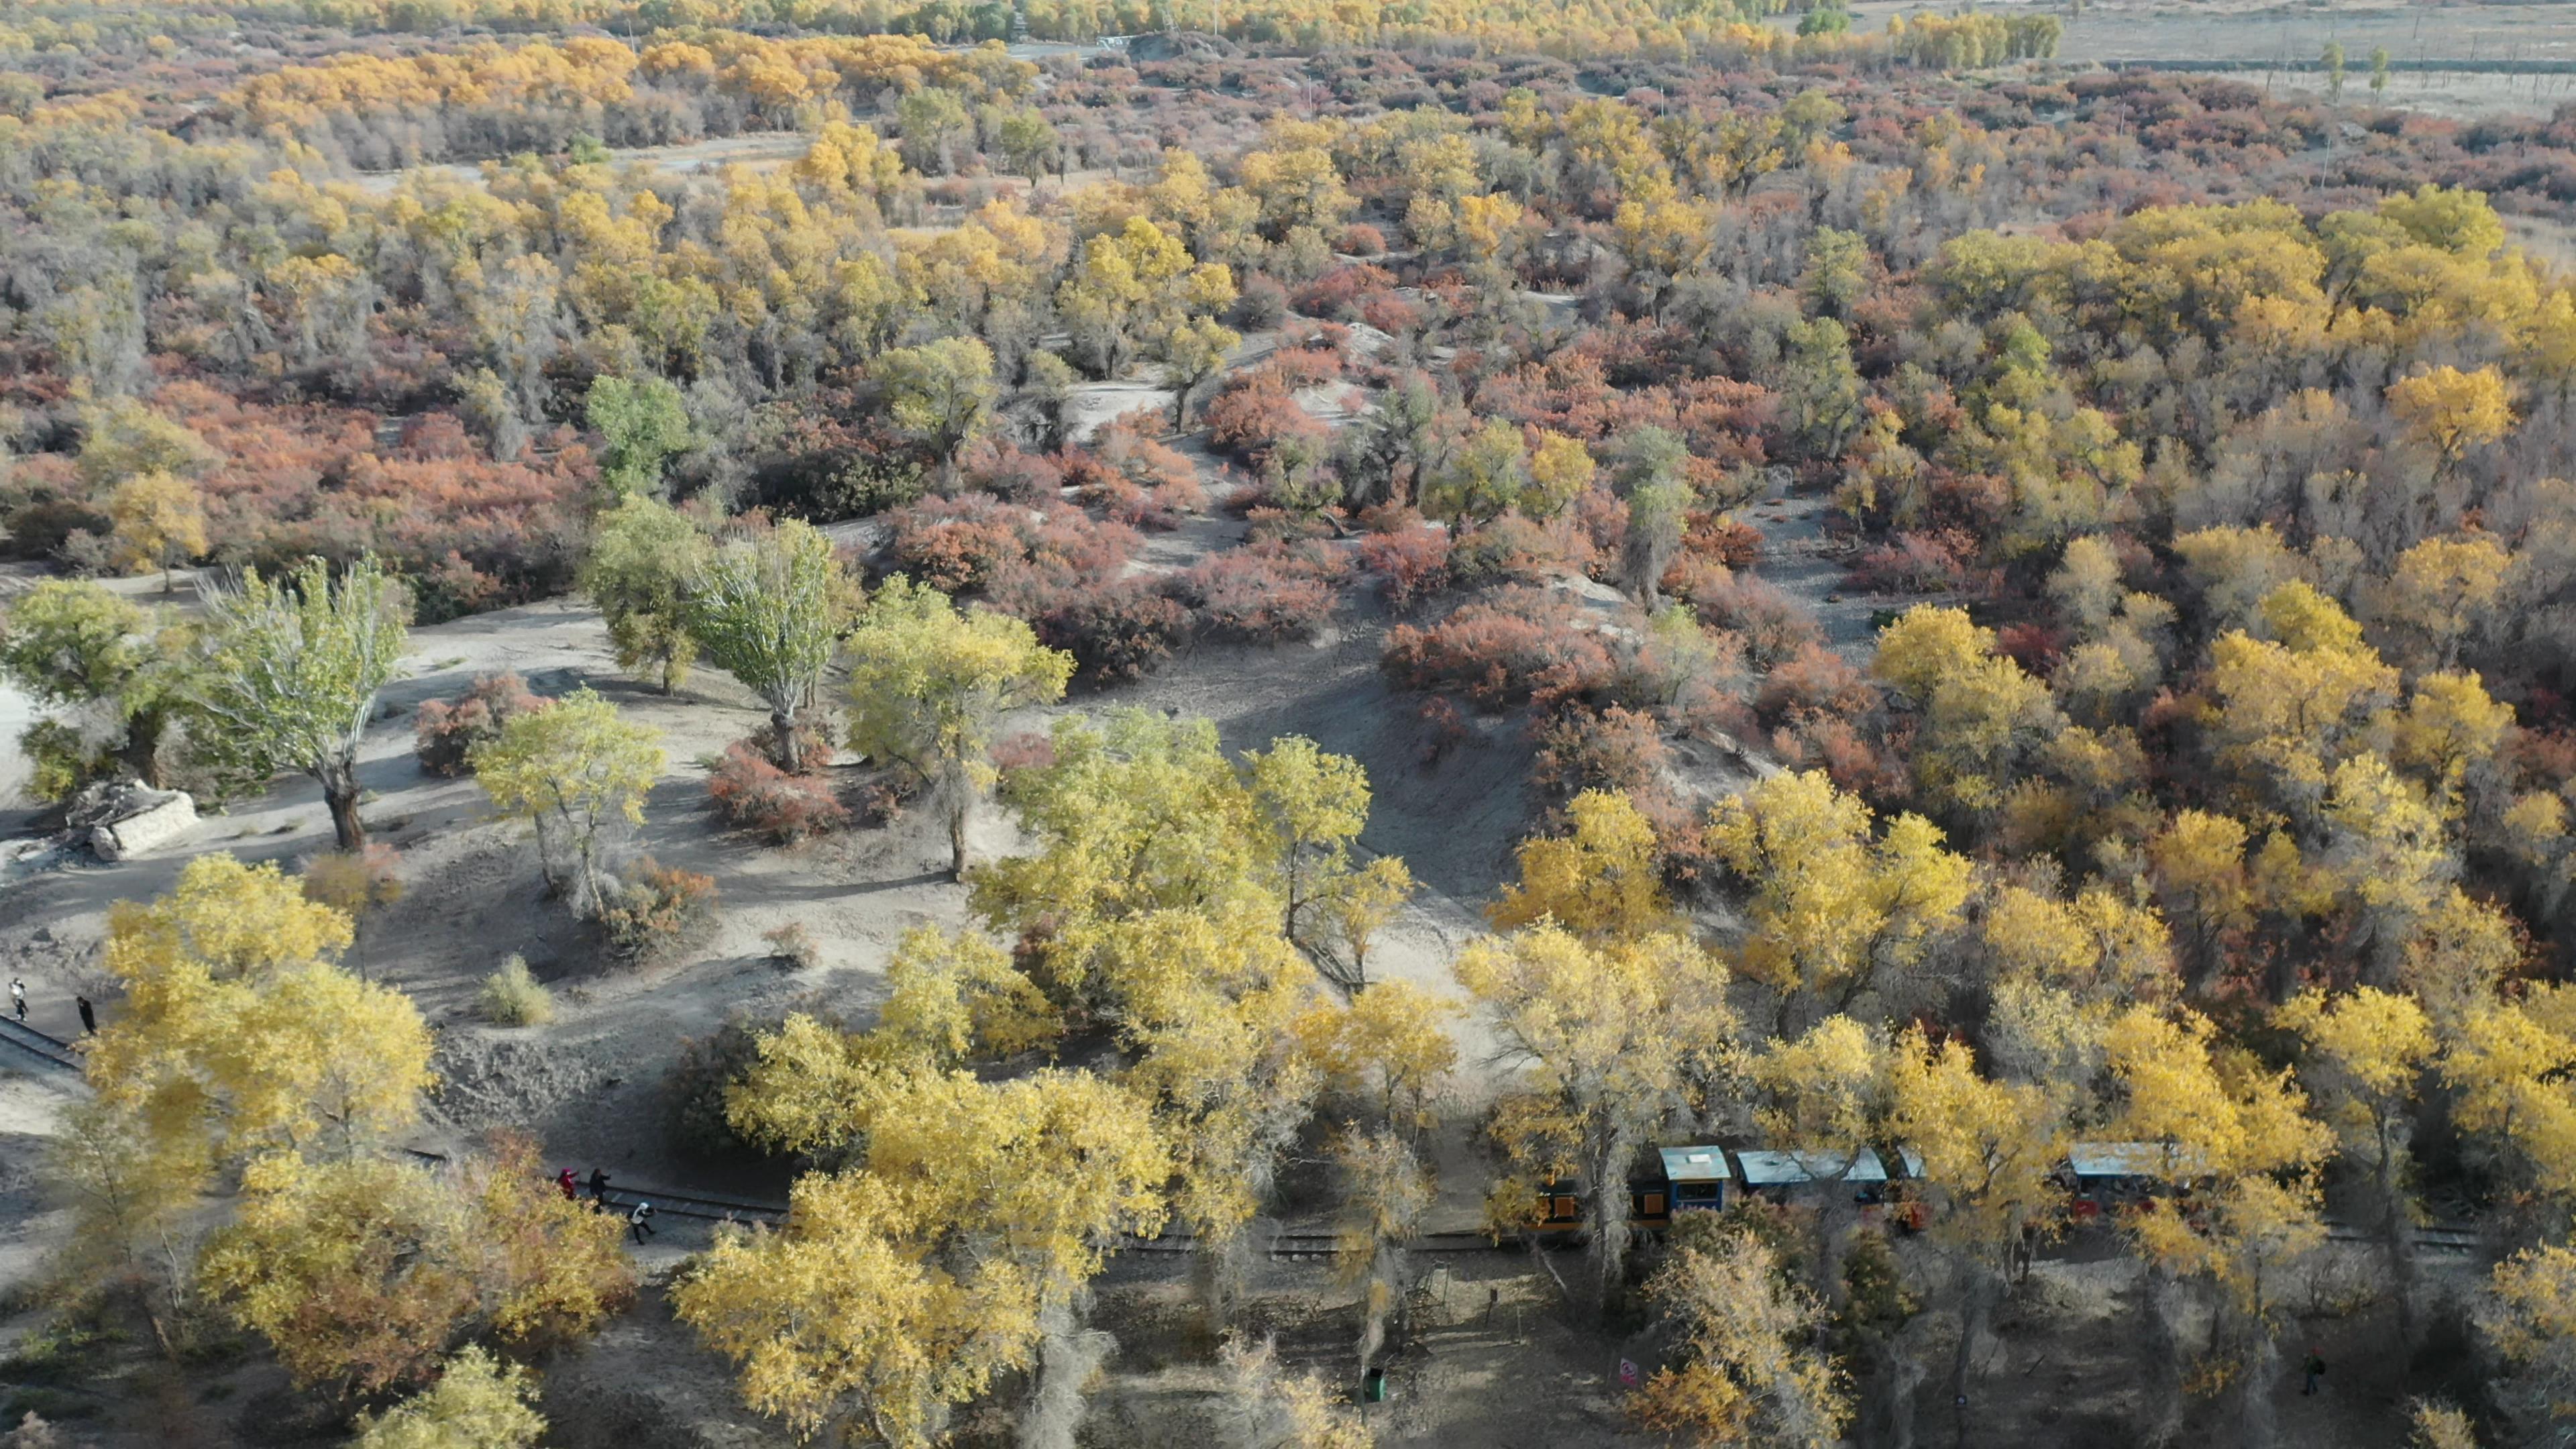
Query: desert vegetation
[{"x": 1113, "y": 719}]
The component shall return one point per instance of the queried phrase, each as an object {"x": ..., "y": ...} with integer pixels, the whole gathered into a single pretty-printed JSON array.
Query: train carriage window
[
  {"x": 1654, "y": 1205},
  {"x": 1563, "y": 1210}
]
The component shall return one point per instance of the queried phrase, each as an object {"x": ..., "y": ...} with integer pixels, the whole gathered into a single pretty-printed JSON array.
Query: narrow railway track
[{"x": 53, "y": 1051}]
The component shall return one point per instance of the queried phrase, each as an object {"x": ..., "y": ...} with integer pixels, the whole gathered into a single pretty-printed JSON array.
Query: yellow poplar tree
[
  {"x": 1614, "y": 1034},
  {"x": 928, "y": 684},
  {"x": 1600, "y": 878},
  {"x": 2366, "y": 1057}
]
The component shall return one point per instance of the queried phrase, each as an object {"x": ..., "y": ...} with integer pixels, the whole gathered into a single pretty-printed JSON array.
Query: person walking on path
[
  {"x": 571, "y": 1189},
  {"x": 2316, "y": 1367},
  {"x": 18, "y": 998},
  {"x": 639, "y": 1222},
  {"x": 599, "y": 1189},
  {"x": 89, "y": 1018}
]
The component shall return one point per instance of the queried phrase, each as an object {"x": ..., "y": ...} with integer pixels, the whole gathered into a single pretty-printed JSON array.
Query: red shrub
[
  {"x": 1305, "y": 366},
  {"x": 1337, "y": 293},
  {"x": 1614, "y": 749},
  {"x": 1524, "y": 645},
  {"x": 659, "y": 910},
  {"x": 1412, "y": 562},
  {"x": 1393, "y": 315},
  {"x": 1254, "y": 414},
  {"x": 444, "y": 734},
  {"x": 753, "y": 794},
  {"x": 955, "y": 543},
  {"x": 1266, "y": 592},
  {"x": 2035, "y": 647},
  {"x": 1734, "y": 544},
  {"x": 976, "y": 542},
  {"x": 1774, "y": 625},
  {"x": 1816, "y": 680},
  {"x": 1114, "y": 629},
  {"x": 1913, "y": 563},
  {"x": 1360, "y": 239},
  {"x": 1020, "y": 477}
]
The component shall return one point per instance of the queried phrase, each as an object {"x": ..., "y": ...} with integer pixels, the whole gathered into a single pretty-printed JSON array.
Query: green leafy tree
[
  {"x": 927, "y": 685},
  {"x": 73, "y": 645},
  {"x": 642, "y": 423},
  {"x": 641, "y": 559},
  {"x": 1194, "y": 351},
  {"x": 943, "y": 394},
  {"x": 293, "y": 666},
  {"x": 766, "y": 609},
  {"x": 571, "y": 771},
  {"x": 1659, "y": 500}
]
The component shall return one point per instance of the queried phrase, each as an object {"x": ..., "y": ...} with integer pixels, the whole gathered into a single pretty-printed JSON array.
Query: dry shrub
[
  {"x": 753, "y": 794},
  {"x": 1135, "y": 480},
  {"x": 1522, "y": 646},
  {"x": 445, "y": 733},
  {"x": 1114, "y": 628},
  {"x": 1711, "y": 535},
  {"x": 659, "y": 910},
  {"x": 1253, "y": 414},
  {"x": 1912, "y": 563},
  {"x": 1341, "y": 291},
  {"x": 1611, "y": 749},
  {"x": 793, "y": 946},
  {"x": 1264, "y": 592},
  {"x": 1360, "y": 239},
  {"x": 1446, "y": 725},
  {"x": 1513, "y": 549},
  {"x": 1411, "y": 561},
  {"x": 1816, "y": 680},
  {"x": 1774, "y": 625},
  {"x": 512, "y": 997}
]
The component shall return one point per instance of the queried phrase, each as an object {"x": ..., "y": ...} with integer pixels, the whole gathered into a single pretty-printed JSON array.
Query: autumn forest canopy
[{"x": 2005, "y": 612}]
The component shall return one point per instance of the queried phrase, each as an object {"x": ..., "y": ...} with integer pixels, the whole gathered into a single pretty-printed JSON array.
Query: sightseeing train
[{"x": 2097, "y": 1176}]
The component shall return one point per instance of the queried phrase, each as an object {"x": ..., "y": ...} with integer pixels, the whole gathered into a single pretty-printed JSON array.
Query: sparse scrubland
[{"x": 1133, "y": 720}]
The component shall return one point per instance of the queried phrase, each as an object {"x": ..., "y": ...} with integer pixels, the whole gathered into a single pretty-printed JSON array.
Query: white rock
[{"x": 168, "y": 822}]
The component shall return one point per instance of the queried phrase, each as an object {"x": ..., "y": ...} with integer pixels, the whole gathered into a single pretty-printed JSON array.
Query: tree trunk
[
  {"x": 2258, "y": 1426},
  {"x": 2161, "y": 1419},
  {"x": 1069, "y": 1354},
  {"x": 958, "y": 803},
  {"x": 1610, "y": 1222},
  {"x": 2400, "y": 1245},
  {"x": 1976, "y": 1306},
  {"x": 340, "y": 795},
  {"x": 786, "y": 751}
]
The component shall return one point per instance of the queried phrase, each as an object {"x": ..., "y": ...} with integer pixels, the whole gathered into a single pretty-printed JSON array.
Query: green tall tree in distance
[
  {"x": 942, "y": 393},
  {"x": 641, "y": 559},
  {"x": 641, "y": 424},
  {"x": 927, "y": 684},
  {"x": 293, "y": 667},
  {"x": 74, "y": 645},
  {"x": 767, "y": 609}
]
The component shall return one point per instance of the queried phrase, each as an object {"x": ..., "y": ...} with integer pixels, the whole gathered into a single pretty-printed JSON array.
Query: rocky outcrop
[{"x": 123, "y": 819}]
